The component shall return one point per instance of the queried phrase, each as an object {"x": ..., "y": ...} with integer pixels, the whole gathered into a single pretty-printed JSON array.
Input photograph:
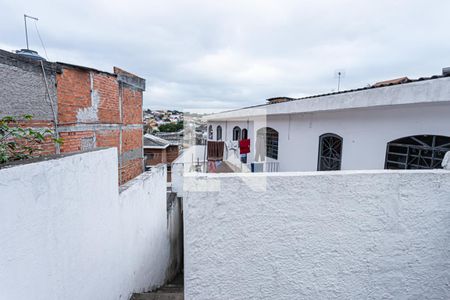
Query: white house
[{"x": 398, "y": 124}]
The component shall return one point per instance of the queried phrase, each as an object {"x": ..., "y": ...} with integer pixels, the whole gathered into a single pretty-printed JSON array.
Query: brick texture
[
  {"x": 132, "y": 106},
  {"x": 130, "y": 169},
  {"x": 108, "y": 138},
  {"x": 73, "y": 93},
  {"x": 131, "y": 139},
  {"x": 94, "y": 108},
  {"x": 108, "y": 89},
  {"x": 72, "y": 140}
]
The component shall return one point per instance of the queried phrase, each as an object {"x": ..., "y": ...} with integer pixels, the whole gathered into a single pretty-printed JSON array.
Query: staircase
[{"x": 171, "y": 291}]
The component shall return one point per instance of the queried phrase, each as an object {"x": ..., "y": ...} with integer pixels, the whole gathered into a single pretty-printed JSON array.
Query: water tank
[{"x": 30, "y": 54}]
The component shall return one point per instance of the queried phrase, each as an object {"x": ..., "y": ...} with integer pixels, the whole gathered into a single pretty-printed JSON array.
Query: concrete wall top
[{"x": 433, "y": 90}]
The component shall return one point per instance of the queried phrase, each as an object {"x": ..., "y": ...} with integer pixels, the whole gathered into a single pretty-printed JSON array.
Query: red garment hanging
[{"x": 244, "y": 146}]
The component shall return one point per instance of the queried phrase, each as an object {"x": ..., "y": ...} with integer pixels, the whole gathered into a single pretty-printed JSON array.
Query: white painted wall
[
  {"x": 365, "y": 132},
  {"x": 318, "y": 235},
  {"x": 184, "y": 163},
  {"x": 67, "y": 233}
]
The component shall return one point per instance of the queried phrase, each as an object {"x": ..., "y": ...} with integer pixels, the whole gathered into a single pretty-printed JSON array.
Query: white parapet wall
[
  {"x": 185, "y": 163},
  {"x": 67, "y": 233},
  {"x": 321, "y": 235}
]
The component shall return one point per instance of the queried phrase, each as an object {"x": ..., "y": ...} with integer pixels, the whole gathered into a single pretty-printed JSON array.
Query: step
[{"x": 158, "y": 296}]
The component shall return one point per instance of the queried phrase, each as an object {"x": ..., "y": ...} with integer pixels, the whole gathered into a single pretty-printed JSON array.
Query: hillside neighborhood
[{"x": 320, "y": 194}]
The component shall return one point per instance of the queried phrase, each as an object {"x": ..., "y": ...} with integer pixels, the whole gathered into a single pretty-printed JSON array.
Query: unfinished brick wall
[
  {"x": 97, "y": 109},
  {"x": 131, "y": 139},
  {"x": 73, "y": 93},
  {"x": 93, "y": 108},
  {"x": 172, "y": 153},
  {"x": 132, "y": 106},
  {"x": 108, "y": 138},
  {"x": 107, "y": 88},
  {"x": 73, "y": 140},
  {"x": 130, "y": 169},
  {"x": 155, "y": 156}
]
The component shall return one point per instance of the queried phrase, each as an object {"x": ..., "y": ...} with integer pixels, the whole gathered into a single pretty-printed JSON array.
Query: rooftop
[
  {"x": 153, "y": 142},
  {"x": 385, "y": 93}
]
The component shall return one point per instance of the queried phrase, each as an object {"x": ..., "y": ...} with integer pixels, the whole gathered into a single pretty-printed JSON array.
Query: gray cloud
[{"x": 225, "y": 54}]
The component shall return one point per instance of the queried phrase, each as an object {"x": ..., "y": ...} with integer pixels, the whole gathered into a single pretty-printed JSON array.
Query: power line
[{"x": 42, "y": 42}]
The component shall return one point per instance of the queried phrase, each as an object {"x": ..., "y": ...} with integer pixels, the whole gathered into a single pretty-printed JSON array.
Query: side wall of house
[
  {"x": 155, "y": 156},
  {"x": 328, "y": 235},
  {"x": 365, "y": 133},
  {"x": 24, "y": 92},
  {"x": 67, "y": 232},
  {"x": 97, "y": 109}
]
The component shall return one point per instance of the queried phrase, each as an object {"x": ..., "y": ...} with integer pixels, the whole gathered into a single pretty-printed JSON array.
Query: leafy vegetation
[
  {"x": 171, "y": 127},
  {"x": 18, "y": 143}
]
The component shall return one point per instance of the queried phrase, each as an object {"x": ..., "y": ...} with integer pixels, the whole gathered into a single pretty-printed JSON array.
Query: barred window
[
  {"x": 236, "y": 133},
  {"x": 210, "y": 132},
  {"x": 417, "y": 152},
  {"x": 270, "y": 137},
  {"x": 330, "y": 152},
  {"x": 219, "y": 133},
  {"x": 244, "y": 134}
]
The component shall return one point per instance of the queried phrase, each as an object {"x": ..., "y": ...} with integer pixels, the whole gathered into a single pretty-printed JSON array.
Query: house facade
[
  {"x": 87, "y": 108},
  {"x": 160, "y": 151},
  {"x": 404, "y": 125}
]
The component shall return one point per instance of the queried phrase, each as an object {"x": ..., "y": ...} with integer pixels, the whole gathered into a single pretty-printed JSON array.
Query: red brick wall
[
  {"x": 47, "y": 147},
  {"x": 132, "y": 106},
  {"x": 73, "y": 92},
  {"x": 172, "y": 153},
  {"x": 155, "y": 156},
  {"x": 107, "y": 88},
  {"x": 131, "y": 139},
  {"x": 72, "y": 140},
  {"x": 108, "y": 138},
  {"x": 130, "y": 169}
]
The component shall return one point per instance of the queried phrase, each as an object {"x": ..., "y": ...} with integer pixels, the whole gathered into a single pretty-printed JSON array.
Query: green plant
[
  {"x": 17, "y": 142},
  {"x": 171, "y": 127}
]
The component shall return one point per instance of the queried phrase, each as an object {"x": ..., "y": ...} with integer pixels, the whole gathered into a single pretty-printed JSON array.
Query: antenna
[
  {"x": 26, "y": 30},
  {"x": 339, "y": 74}
]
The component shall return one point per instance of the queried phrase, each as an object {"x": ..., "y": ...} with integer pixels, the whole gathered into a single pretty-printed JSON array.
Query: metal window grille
[
  {"x": 210, "y": 132},
  {"x": 244, "y": 134},
  {"x": 236, "y": 133},
  {"x": 219, "y": 133},
  {"x": 330, "y": 152},
  {"x": 417, "y": 152},
  {"x": 270, "y": 136}
]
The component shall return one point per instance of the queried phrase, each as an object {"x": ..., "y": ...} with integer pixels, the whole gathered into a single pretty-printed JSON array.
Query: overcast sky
[{"x": 217, "y": 55}]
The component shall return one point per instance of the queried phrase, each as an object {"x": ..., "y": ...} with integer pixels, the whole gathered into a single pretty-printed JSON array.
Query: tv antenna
[
  {"x": 339, "y": 74},
  {"x": 26, "y": 29}
]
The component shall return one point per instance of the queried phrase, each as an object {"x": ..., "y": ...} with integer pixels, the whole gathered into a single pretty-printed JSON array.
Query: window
[
  {"x": 236, "y": 133},
  {"x": 269, "y": 137},
  {"x": 219, "y": 133},
  {"x": 330, "y": 152},
  {"x": 210, "y": 132},
  {"x": 417, "y": 152},
  {"x": 244, "y": 134}
]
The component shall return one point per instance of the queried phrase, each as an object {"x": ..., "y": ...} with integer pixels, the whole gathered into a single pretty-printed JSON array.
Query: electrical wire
[
  {"x": 55, "y": 117},
  {"x": 42, "y": 43}
]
